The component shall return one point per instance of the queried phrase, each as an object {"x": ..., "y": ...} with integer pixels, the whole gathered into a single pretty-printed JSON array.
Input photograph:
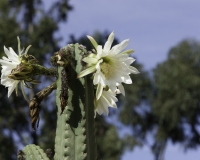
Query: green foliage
[
  {"x": 109, "y": 145},
  {"x": 9, "y": 28},
  {"x": 167, "y": 107},
  {"x": 6, "y": 142},
  {"x": 176, "y": 101},
  {"x": 134, "y": 109}
]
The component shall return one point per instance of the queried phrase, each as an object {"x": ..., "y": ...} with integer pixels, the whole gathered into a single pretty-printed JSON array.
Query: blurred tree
[
  {"x": 171, "y": 110},
  {"x": 135, "y": 112},
  {"x": 176, "y": 100},
  {"x": 109, "y": 145}
]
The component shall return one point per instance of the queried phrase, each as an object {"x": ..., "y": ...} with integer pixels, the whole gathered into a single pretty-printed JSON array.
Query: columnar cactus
[
  {"x": 73, "y": 98},
  {"x": 71, "y": 135}
]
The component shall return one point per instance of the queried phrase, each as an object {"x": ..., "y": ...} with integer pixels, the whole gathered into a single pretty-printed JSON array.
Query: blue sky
[{"x": 153, "y": 27}]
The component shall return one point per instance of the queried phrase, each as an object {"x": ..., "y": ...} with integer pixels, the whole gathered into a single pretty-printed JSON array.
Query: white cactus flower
[
  {"x": 107, "y": 99},
  {"x": 8, "y": 64},
  {"x": 111, "y": 66}
]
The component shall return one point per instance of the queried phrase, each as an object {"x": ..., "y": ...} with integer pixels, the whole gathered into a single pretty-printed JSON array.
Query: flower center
[{"x": 108, "y": 67}]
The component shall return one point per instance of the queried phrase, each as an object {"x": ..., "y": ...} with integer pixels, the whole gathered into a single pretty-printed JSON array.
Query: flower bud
[{"x": 23, "y": 71}]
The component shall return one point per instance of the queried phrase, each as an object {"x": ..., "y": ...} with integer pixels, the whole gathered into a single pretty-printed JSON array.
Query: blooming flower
[
  {"x": 111, "y": 66},
  {"x": 10, "y": 63},
  {"x": 107, "y": 99}
]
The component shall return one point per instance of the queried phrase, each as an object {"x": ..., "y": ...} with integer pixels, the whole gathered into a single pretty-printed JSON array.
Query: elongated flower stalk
[{"x": 78, "y": 97}]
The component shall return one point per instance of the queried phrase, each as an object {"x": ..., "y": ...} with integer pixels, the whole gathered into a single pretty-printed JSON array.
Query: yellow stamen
[{"x": 107, "y": 68}]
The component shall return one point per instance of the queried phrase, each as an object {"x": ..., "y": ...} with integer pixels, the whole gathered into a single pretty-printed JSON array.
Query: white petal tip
[
  {"x": 4, "y": 47},
  {"x": 112, "y": 33},
  {"x": 92, "y": 40}
]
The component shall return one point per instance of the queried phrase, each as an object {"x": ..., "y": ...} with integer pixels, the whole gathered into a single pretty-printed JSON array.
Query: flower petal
[
  {"x": 13, "y": 56},
  {"x": 23, "y": 91},
  {"x": 92, "y": 40},
  {"x": 119, "y": 47},
  {"x": 121, "y": 88},
  {"x": 7, "y": 63},
  {"x": 86, "y": 72},
  {"x": 99, "y": 51},
  {"x": 124, "y": 44},
  {"x": 90, "y": 60},
  {"x": 12, "y": 87},
  {"x": 127, "y": 79},
  {"x": 133, "y": 70},
  {"x": 130, "y": 51},
  {"x": 109, "y": 42},
  {"x": 129, "y": 60},
  {"x": 99, "y": 90}
]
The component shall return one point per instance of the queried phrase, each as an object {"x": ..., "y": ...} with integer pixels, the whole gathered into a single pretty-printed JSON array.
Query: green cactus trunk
[
  {"x": 75, "y": 138},
  {"x": 75, "y": 134}
]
